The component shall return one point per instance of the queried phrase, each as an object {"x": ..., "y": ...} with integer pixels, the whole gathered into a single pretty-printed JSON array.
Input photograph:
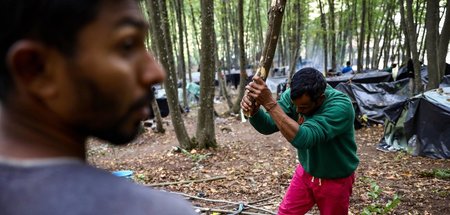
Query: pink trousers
[{"x": 332, "y": 196}]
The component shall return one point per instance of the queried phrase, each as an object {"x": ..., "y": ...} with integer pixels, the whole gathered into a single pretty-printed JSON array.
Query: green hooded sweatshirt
[{"x": 325, "y": 142}]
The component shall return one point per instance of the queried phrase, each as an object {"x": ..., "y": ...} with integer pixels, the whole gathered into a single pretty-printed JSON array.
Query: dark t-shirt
[{"x": 76, "y": 188}]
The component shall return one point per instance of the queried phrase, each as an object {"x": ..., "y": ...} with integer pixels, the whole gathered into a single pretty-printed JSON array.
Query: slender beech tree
[
  {"x": 187, "y": 46},
  {"x": 370, "y": 11},
  {"x": 243, "y": 74},
  {"x": 332, "y": 35},
  {"x": 158, "y": 16},
  {"x": 437, "y": 44},
  {"x": 444, "y": 39},
  {"x": 205, "y": 125},
  {"x": 404, "y": 26},
  {"x": 296, "y": 32},
  {"x": 432, "y": 27},
  {"x": 413, "y": 45},
  {"x": 194, "y": 25},
  {"x": 323, "y": 24},
  {"x": 181, "y": 63},
  {"x": 159, "y": 128},
  {"x": 362, "y": 35}
]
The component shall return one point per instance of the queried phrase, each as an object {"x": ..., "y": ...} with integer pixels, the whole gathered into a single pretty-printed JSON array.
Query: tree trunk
[
  {"x": 153, "y": 103},
  {"x": 412, "y": 43},
  {"x": 377, "y": 35},
  {"x": 347, "y": 31},
  {"x": 432, "y": 40},
  {"x": 187, "y": 47},
  {"x": 444, "y": 39},
  {"x": 405, "y": 31},
  {"x": 296, "y": 38},
  {"x": 323, "y": 24},
  {"x": 259, "y": 26},
  {"x": 205, "y": 125},
  {"x": 227, "y": 37},
  {"x": 361, "y": 36},
  {"x": 158, "y": 16},
  {"x": 387, "y": 41},
  {"x": 179, "y": 6},
  {"x": 333, "y": 35},
  {"x": 354, "y": 26},
  {"x": 369, "y": 32},
  {"x": 194, "y": 26},
  {"x": 243, "y": 74}
]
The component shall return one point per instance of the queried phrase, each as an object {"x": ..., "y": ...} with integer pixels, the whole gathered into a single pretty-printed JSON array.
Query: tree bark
[
  {"x": 179, "y": 6},
  {"x": 347, "y": 31},
  {"x": 405, "y": 31},
  {"x": 361, "y": 37},
  {"x": 187, "y": 47},
  {"x": 158, "y": 16},
  {"x": 194, "y": 26},
  {"x": 369, "y": 32},
  {"x": 333, "y": 35},
  {"x": 205, "y": 126},
  {"x": 444, "y": 40},
  {"x": 323, "y": 24},
  {"x": 243, "y": 74},
  {"x": 296, "y": 38},
  {"x": 432, "y": 40},
  {"x": 153, "y": 103},
  {"x": 259, "y": 25},
  {"x": 412, "y": 43}
]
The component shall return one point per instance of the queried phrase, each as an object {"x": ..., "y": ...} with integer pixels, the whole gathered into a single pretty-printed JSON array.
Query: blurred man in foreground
[{"x": 70, "y": 70}]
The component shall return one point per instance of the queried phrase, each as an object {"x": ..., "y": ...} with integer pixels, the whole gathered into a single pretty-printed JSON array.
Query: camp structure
[{"x": 419, "y": 125}]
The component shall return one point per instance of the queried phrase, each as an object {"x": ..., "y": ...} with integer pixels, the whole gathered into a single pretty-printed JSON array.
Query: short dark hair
[
  {"x": 55, "y": 23},
  {"x": 348, "y": 63},
  {"x": 310, "y": 81}
]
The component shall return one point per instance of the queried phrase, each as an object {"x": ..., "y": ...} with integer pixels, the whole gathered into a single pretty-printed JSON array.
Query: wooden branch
[
  {"x": 204, "y": 199},
  {"x": 224, "y": 201},
  {"x": 273, "y": 33},
  {"x": 225, "y": 211},
  {"x": 263, "y": 200},
  {"x": 185, "y": 182}
]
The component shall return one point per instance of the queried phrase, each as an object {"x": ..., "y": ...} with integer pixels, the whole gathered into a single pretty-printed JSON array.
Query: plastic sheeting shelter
[
  {"x": 365, "y": 77},
  {"x": 420, "y": 125},
  {"x": 370, "y": 100}
]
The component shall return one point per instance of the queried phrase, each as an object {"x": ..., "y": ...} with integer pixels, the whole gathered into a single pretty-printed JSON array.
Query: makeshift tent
[
  {"x": 370, "y": 100},
  {"x": 407, "y": 72},
  {"x": 445, "y": 81},
  {"x": 163, "y": 108},
  {"x": 421, "y": 127},
  {"x": 364, "y": 77}
]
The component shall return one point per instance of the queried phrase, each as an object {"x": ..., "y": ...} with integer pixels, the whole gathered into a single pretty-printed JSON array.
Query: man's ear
[
  {"x": 321, "y": 98},
  {"x": 27, "y": 63}
]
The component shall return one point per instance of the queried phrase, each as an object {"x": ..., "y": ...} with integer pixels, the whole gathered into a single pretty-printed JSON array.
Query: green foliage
[
  {"x": 194, "y": 156},
  {"x": 377, "y": 206},
  {"x": 437, "y": 173}
]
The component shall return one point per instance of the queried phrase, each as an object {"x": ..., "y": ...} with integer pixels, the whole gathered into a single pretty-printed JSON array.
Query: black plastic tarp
[
  {"x": 445, "y": 81},
  {"x": 422, "y": 126},
  {"x": 365, "y": 77},
  {"x": 370, "y": 100},
  {"x": 163, "y": 108},
  {"x": 407, "y": 72}
]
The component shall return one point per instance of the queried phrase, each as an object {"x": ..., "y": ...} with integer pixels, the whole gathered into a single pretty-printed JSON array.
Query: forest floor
[{"x": 256, "y": 169}]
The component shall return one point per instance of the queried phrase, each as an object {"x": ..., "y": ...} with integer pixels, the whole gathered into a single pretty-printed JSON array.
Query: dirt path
[{"x": 259, "y": 167}]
